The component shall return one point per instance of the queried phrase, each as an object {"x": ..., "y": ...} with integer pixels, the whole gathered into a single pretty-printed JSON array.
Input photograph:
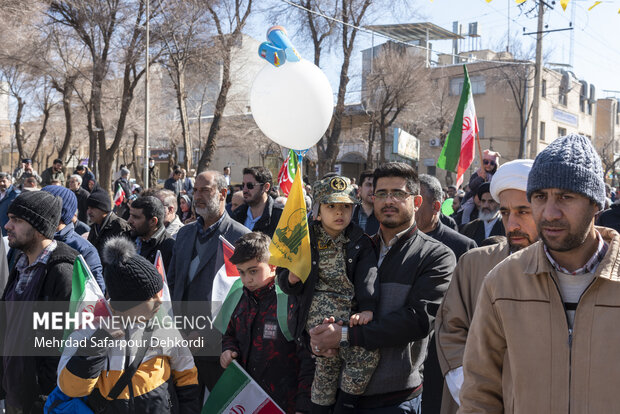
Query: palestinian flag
[
  {"x": 457, "y": 153},
  {"x": 166, "y": 301},
  {"x": 237, "y": 393},
  {"x": 287, "y": 173},
  {"x": 231, "y": 300},
  {"x": 119, "y": 196},
  {"x": 226, "y": 282}
]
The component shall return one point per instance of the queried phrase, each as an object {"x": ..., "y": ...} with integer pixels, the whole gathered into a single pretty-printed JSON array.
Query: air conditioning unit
[{"x": 434, "y": 142}]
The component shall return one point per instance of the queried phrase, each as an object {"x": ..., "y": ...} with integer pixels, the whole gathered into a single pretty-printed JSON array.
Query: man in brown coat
[
  {"x": 456, "y": 312},
  {"x": 545, "y": 336}
]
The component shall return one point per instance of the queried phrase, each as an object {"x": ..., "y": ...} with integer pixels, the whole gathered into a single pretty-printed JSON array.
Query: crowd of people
[{"x": 497, "y": 297}]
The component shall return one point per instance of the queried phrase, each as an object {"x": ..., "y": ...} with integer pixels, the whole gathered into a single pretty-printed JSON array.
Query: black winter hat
[
  {"x": 101, "y": 200},
  {"x": 40, "y": 209},
  {"x": 129, "y": 277}
]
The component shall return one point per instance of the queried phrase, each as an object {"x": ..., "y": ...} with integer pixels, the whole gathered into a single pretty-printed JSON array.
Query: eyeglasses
[
  {"x": 250, "y": 186},
  {"x": 488, "y": 162},
  {"x": 396, "y": 195}
]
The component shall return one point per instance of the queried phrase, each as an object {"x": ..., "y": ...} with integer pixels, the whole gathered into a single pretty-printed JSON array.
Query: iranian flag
[
  {"x": 457, "y": 153},
  {"x": 287, "y": 173},
  {"x": 86, "y": 295},
  {"x": 237, "y": 393},
  {"x": 119, "y": 196},
  {"x": 226, "y": 282}
]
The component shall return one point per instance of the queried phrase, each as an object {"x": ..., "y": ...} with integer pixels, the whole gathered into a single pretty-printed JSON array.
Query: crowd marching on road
[{"x": 508, "y": 304}]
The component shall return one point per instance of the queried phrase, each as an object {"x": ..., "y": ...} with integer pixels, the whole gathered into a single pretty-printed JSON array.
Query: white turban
[{"x": 511, "y": 176}]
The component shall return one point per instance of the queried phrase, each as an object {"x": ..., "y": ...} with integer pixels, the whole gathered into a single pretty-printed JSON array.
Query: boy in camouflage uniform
[{"x": 345, "y": 281}]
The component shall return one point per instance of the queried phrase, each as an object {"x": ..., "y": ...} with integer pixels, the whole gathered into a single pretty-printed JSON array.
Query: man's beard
[
  {"x": 517, "y": 247},
  {"x": 486, "y": 214},
  {"x": 571, "y": 241},
  {"x": 211, "y": 209},
  {"x": 395, "y": 221}
]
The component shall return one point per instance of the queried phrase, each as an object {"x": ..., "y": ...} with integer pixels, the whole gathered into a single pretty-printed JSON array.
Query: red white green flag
[
  {"x": 237, "y": 393},
  {"x": 457, "y": 153},
  {"x": 119, "y": 196},
  {"x": 287, "y": 173}
]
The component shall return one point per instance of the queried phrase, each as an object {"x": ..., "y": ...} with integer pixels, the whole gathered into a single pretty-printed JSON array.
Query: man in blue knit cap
[
  {"x": 544, "y": 337},
  {"x": 66, "y": 233}
]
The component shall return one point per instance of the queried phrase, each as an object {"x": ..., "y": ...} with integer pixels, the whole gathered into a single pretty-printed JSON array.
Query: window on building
[
  {"x": 561, "y": 132},
  {"x": 542, "y": 131},
  {"x": 481, "y": 127},
  {"x": 431, "y": 170},
  {"x": 563, "y": 97},
  {"x": 590, "y": 107},
  {"x": 543, "y": 89},
  {"x": 582, "y": 105},
  {"x": 478, "y": 85}
]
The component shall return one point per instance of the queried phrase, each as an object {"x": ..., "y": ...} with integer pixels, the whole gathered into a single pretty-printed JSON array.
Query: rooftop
[{"x": 407, "y": 32}]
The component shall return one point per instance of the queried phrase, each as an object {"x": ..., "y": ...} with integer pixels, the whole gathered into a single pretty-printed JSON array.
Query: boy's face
[
  {"x": 335, "y": 217},
  {"x": 144, "y": 311},
  {"x": 255, "y": 274}
]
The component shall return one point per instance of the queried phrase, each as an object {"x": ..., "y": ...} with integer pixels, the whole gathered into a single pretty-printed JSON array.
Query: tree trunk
[
  {"x": 18, "y": 128},
  {"x": 371, "y": 140},
  {"x": 220, "y": 105},
  {"x": 67, "y": 93},
  {"x": 382, "y": 133},
  {"x": 43, "y": 133},
  {"x": 182, "y": 102},
  {"x": 137, "y": 172}
]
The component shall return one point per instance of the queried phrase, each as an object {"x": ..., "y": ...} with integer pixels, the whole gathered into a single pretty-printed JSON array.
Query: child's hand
[
  {"x": 361, "y": 318},
  {"x": 293, "y": 278},
  {"x": 227, "y": 357}
]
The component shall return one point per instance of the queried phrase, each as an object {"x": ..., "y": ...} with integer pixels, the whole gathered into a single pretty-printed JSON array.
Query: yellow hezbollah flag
[{"x": 290, "y": 246}]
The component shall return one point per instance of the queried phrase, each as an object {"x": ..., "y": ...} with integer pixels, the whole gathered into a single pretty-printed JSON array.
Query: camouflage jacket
[{"x": 361, "y": 261}]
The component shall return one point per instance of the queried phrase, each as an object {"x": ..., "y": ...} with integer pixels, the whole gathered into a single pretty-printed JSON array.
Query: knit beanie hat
[
  {"x": 101, "y": 200},
  {"x": 129, "y": 278},
  {"x": 69, "y": 201},
  {"x": 569, "y": 163},
  {"x": 40, "y": 209}
]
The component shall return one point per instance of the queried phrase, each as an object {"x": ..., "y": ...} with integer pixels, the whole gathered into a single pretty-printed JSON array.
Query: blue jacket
[
  {"x": 11, "y": 193},
  {"x": 86, "y": 249}
]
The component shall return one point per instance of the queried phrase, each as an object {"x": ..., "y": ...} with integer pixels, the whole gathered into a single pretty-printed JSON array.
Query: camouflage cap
[{"x": 334, "y": 190}]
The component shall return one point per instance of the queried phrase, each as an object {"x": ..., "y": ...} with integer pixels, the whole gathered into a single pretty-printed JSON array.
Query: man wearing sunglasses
[
  {"x": 490, "y": 162},
  {"x": 258, "y": 213}
]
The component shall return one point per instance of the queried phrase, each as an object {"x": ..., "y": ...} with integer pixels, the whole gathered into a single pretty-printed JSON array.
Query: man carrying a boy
[
  {"x": 414, "y": 273},
  {"x": 283, "y": 368},
  {"x": 343, "y": 286}
]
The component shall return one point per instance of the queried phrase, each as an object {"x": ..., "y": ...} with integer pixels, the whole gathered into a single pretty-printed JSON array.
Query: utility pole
[
  {"x": 146, "y": 97},
  {"x": 508, "y": 31},
  {"x": 537, "y": 81}
]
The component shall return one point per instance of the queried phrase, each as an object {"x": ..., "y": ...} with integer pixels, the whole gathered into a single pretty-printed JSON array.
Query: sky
[{"x": 596, "y": 35}]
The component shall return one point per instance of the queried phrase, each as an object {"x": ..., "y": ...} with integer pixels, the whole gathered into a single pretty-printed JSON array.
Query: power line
[{"x": 361, "y": 29}]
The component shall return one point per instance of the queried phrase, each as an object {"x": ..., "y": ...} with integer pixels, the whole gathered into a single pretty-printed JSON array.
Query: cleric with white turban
[{"x": 511, "y": 176}]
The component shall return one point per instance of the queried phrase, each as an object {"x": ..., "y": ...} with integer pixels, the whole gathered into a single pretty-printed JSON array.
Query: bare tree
[
  {"x": 228, "y": 35},
  {"x": 183, "y": 33},
  {"x": 399, "y": 79},
  {"x": 113, "y": 33}
]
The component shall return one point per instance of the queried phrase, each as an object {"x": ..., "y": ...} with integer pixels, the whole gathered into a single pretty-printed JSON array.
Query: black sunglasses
[
  {"x": 486, "y": 162},
  {"x": 250, "y": 186}
]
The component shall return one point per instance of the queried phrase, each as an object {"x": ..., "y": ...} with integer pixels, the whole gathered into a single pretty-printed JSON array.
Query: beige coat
[
  {"x": 520, "y": 320},
  {"x": 457, "y": 310}
]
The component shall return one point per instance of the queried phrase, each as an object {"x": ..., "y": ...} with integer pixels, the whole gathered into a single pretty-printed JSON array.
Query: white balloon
[{"x": 292, "y": 104}]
